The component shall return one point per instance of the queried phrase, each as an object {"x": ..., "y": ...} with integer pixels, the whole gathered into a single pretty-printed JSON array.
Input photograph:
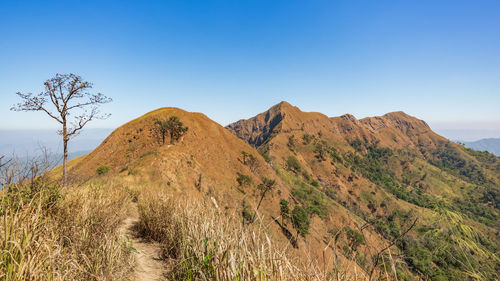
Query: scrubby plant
[
  {"x": 354, "y": 237},
  {"x": 300, "y": 220},
  {"x": 266, "y": 156},
  {"x": 244, "y": 180},
  {"x": 314, "y": 183},
  {"x": 284, "y": 211},
  {"x": 249, "y": 160},
  {"x": 293, "y": 164},
  {"x": 307, "y": 138},
  {"x": 291, "y": 143},
  {"x": 102, "y": 170},
  {"x": 321, "y": 150}
]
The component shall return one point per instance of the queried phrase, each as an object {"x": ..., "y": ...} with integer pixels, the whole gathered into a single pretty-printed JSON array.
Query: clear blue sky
[{"x": 437, "y": 60}]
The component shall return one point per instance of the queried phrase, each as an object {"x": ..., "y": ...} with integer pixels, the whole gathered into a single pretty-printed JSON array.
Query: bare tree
[{"x": 67, "y": 100}]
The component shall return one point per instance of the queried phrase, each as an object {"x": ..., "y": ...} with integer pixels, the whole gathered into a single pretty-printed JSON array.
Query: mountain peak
[
  {"x": 398, "y": 115},
  {"x": 284, "y": 104},
  {"x": 282, "y": 116},
  {"x": 257, "y": 129},
  {"x": 283, "y": 107},
  {"x": 349, "y": 117},
  {"x": 402, "y": 118}
]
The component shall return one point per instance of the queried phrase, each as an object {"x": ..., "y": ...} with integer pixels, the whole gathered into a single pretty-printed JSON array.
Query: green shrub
[
  {"x": 266, "y": 157},
  {"x": 102, "y": 170},
  {"x": 354, "y": 237},
  {"x": 293, "y": 164},
  {"x": 321, "y": 150},
  {"x": 306, "y": 138},
  {"x": 312, "y": 198},
  {"x": 291, "y": 143},
  {"x": 244, "y": 180},
  {"x": 284, "y": 211},
  {"x": 300, "y": 220}
]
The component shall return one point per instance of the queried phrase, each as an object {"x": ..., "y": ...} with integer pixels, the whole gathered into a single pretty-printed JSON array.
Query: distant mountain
[
  {"x": 491, "y": 145},
  {"x": 468, "y": 135}
]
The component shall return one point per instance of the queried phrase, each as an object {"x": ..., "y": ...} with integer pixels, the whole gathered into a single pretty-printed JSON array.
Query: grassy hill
[
  {"x": 285, "y": 195},
  {"x": 390, "y": 170}
]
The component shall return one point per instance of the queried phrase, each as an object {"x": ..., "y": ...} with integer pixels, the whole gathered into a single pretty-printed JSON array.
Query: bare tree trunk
[
  {"x": 66, "y": 92},
  {"x": 65, "y": 158},
  {"x": 258, "y": 205}
]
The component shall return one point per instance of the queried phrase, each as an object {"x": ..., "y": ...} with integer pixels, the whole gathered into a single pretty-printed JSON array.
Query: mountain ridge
[
  {"x": 369, "y": 177},
  {"x": 364, "y": 164},
  {"x": 340, "y": 125}
]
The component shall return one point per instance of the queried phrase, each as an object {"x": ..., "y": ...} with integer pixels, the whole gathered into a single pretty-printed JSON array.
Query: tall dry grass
[
  {"x": 68, "y": 234},
  {"x": 202, "y": 243}
]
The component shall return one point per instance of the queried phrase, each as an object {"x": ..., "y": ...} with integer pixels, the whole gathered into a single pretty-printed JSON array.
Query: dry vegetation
[
  {"x": 50, "y": 232},
  {"x": 68, "y": 234},
  {"x": 73, "y": 233},
  {"x": 202, "y": 242}
]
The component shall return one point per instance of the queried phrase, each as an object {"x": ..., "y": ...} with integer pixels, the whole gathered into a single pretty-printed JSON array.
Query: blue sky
[{"x": 437, "y": 60}]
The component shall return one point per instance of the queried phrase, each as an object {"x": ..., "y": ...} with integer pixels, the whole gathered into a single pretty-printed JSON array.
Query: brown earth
[{"x": 149, "y": 265}]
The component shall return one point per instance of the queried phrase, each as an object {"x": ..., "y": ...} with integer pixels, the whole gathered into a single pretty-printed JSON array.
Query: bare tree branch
[
  {"x": 34, "y": 103},
  {"x": 69, "y": 97},
  {"x": 2, "y": 163}
]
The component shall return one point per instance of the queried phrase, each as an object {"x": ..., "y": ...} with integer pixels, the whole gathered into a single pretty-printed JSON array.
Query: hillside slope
[
  {"x": 390, "y": 170},
  {"x": 210, "y": 163},
  {"x": 361, "y": 196}
]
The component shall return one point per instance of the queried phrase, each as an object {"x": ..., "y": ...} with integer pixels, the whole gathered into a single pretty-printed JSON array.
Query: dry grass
[
  {"x": 72, "y": 235},
  {"x": 203, "y": 243}
]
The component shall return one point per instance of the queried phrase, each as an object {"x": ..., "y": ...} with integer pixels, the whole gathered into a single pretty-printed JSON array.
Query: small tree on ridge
[{"x": 172, "y": 127}]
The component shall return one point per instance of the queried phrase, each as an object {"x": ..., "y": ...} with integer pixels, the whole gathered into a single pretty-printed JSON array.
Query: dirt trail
[{"x": 148, "y": 262}]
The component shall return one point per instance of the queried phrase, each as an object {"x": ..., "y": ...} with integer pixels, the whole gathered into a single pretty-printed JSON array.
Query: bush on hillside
[
  {"x": 284, "y": 211},
  {"x": 102, "y": 170},
  {"x": 293, "y": 164},
  {"x": 244, "y": 180},
  {"x": 300, "y": 220}
]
